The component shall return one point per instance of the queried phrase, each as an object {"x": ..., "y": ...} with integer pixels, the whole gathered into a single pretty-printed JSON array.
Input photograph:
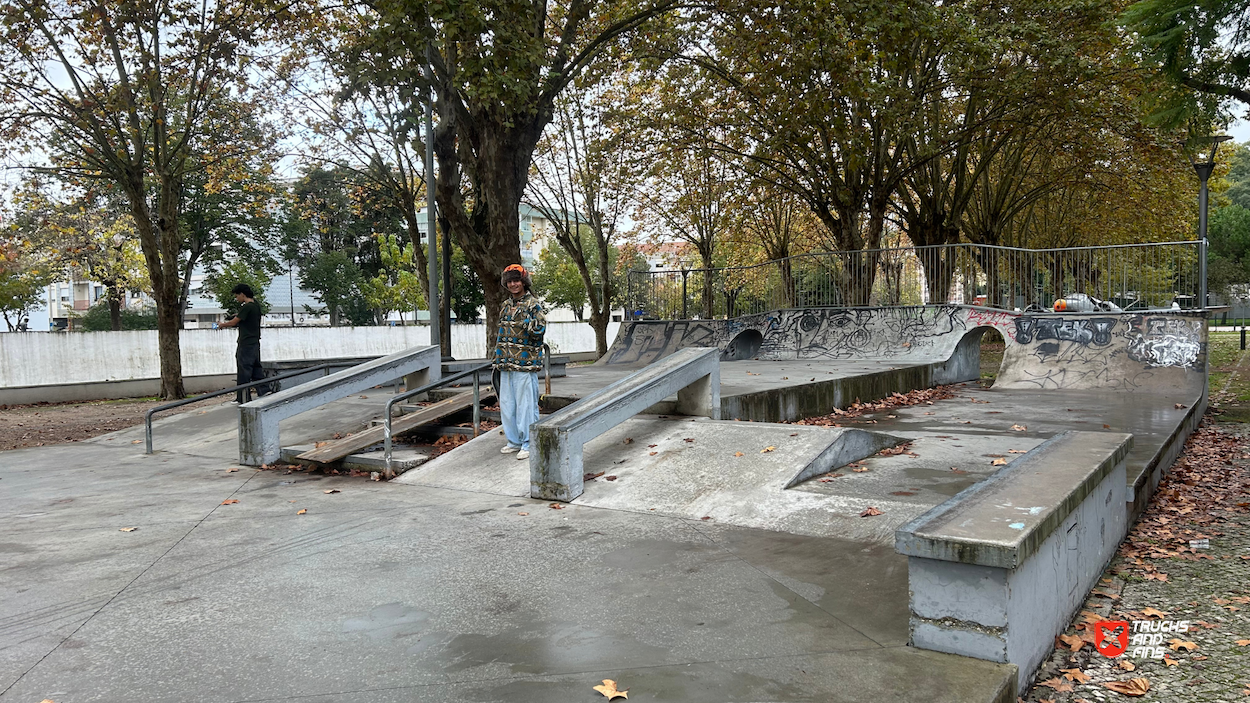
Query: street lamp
[{"x": 1202, "y": 155}]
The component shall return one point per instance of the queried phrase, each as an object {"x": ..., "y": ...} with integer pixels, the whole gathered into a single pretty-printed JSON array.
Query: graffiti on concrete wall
[
  {"x": 863, "y": 333},
  {"x": 1002, "y": 321},
  {"x": 1160, "y": 340},
  {"x": 1088, "y": 330}
]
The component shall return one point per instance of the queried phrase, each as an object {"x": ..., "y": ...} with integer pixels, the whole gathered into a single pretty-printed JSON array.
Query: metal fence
[{"x": 1131, "y": 276}]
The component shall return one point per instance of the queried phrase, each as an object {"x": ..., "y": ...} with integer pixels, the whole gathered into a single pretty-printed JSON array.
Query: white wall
[{"x": 41, "y": 358}]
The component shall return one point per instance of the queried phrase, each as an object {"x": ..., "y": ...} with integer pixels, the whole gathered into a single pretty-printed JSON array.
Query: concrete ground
[{"x": 387, "y": 592}]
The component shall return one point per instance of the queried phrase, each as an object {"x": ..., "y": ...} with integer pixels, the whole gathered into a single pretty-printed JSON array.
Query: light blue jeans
[{"x": 518, "y": 405}]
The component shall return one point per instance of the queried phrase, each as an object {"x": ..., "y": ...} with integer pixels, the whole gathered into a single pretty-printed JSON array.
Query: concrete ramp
[
  {"x": 1154, "y": 352},
  {"x": 1160, "y": 351}
]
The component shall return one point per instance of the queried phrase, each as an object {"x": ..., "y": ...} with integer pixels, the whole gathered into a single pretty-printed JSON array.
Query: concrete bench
[
  {"x": 556, "y": 462},
  {"x": 997, "y": 571},
  {"x": 258, "y": 420}
]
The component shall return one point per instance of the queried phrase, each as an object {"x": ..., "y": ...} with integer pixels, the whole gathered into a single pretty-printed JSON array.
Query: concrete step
[{"x": 402, "y": 458}]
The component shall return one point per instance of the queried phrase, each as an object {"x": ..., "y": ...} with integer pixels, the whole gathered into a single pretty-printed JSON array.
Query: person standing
[
  {"x": 247, "y": 356},
  {"x": 518, "y": 357}
]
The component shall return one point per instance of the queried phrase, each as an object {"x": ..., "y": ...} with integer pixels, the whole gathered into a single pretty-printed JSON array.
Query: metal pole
[
  {"x": 444, "y": 339},
  {"x": 290, "y": 276},
  {"x": 431, "y": 234},
  {"x": 477, "y": 404},
  {"x": 684, "y": 314}
]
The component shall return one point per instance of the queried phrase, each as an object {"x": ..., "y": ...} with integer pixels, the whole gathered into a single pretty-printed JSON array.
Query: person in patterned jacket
[{"x": 518, "y": 358}]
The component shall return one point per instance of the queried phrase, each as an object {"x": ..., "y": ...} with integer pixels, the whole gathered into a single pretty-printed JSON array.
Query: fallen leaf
[
  {"x": 654, "y": 453},
  {"x": 229, "y": 501},
  {"x": 1019, "y": 428},
  {"x": 592, "y": 476},
  {"x": 1132, "y": 687},
  {"x": 1075, "y": 675},
  {"x": 998, "y": 462},
  {"x": 688, "y": 439},
  {"x": 302, "y": 511},
  {"x": 128, "y": 529},
  {"x": 652, "y": 446},
  {"x": 706, "y": 517},
  {"x": 1243, "y": 643},
  {"x": 1126, "y": 665},
  {"x": 609, "y": 478},
  {"x": 331, "y": 490},
  {"x": 628, "y": 440},
  {"x": 860, "y": 470},
  {"x": 1107, "y": 427},
  {"x": 609, "y": 691},
  {"x": 958, "y": 470},
  {"x": 232, "y": 469},
  {"x": 137, "y": 441},
  {"x": 767, "y": 449},
  {"x": 1153, "y": 613},
  {"x": 1017, "y": 451},
  {"x": 556, "y": 506},
  {"x": 1057, "y": 684},
  {"x": 1168, "y": 661},
  {"x": 1074, "y": 642},
  {"x": 522, "y": 514},
  {"x": 1177, "y": 645},
  {"x": 870, "y": 512},
  {"x": 738, "y": 454},
  {"x": 1180, "y": 406}
]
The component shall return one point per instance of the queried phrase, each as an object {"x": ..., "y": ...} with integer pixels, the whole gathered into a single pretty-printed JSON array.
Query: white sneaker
[
  {"x": 523, "y": 454},
  {"x": 509, "y": 449}
]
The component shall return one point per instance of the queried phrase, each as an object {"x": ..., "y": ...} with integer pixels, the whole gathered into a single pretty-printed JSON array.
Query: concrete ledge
[
  {"x": 258, "y": 420},
  {"x": 101, "y": 390},
  {"x": 556, "y": 463},
  {"x": 997, "y": 571}
]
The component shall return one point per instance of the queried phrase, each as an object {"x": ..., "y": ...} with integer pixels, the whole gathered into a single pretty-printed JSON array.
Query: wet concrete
[{"x": 389, "y": 592}]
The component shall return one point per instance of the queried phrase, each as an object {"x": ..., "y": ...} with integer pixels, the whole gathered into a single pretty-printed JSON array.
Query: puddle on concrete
[
  {"x": 543, "y": 647},
  {"x": 388, "y": 622}
]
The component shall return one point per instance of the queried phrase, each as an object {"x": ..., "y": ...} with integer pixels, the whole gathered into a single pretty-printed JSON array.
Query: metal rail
[
  {"x": 1145, "y": 275},
  {"x": 147, "y": 418},
  {"x": 477, "y": 396}
]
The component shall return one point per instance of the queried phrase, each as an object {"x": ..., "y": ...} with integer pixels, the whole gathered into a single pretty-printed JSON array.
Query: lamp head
[{"x": 1202, "y": 150}]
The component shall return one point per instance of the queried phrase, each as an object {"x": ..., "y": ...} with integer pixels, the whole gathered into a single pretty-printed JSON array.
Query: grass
[
  {"x": 991, "y": 360},
  {"x": 1230, "y": 376}
]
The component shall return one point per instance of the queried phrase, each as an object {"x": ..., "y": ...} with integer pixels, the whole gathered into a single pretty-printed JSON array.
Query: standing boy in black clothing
[{"x": 247, "y": 357}]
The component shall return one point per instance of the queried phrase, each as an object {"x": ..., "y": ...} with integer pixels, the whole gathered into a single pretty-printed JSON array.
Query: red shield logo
[{"x": 1111, "y": 637}]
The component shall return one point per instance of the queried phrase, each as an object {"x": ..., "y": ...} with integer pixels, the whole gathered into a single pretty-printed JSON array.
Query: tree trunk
[{"x": 115, "y": 308}]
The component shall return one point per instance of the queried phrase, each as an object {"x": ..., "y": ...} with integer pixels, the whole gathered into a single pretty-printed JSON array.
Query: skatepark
[{"x": 704, "y": 547}]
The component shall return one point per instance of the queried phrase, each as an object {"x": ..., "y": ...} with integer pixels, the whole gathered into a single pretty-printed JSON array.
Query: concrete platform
[{"x": 660, "y": 472}]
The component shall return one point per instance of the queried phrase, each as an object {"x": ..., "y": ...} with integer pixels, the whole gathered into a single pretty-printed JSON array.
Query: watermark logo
[
  {"x": 1111, "y": 637},
  {"x": 1114, "y": 637}
]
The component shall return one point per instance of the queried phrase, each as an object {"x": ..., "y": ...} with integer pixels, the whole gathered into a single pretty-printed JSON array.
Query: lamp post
[{"x": 1202, "y": 155}]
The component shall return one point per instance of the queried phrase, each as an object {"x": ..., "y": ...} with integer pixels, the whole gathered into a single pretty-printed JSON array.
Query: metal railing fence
[{"x": 1132, "y": 276}]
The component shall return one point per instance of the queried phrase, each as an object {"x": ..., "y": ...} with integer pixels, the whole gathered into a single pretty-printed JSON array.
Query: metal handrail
[
  {"x": 147, "y": 418},
  {"x": 386, "y": 418}
]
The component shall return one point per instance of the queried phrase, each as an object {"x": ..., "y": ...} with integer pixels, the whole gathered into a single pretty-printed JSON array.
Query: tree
[
  {"x": 335, "y": 282},
  {"x": 558, "y": 282},
  {"x": 1203, "y": 49},
  {"x": 130, "y": 94},
  {"x": 397, "y": 286},
  {"x": 467, "y": 291},
  {"x": 91, "y": 235},
  {"x": 496, "y": 70},
  {"x": 100, "y": 318},
  {"x": 584, "y": 179},
  {"x": 24, "y": 275},
  {"x": 329, "y": 232},
  {"x": 220, "y": 284},
  {"x": 689, "y": 197}
]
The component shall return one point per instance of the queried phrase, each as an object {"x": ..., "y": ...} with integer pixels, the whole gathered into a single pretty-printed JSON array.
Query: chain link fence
[{"x": 1132, "y": 276}]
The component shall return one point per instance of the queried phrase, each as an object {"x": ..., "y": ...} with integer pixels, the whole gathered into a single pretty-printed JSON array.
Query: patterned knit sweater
[{"x": 519, "y": 345}]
